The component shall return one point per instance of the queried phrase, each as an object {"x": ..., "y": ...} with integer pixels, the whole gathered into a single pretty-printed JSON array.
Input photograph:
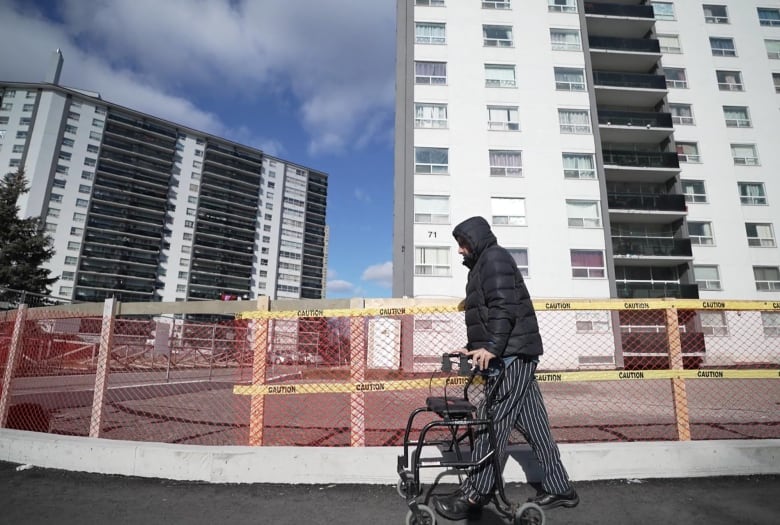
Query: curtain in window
[
  {"x": 751, "y": 190},
  {"x": 520, "y": 256},
  {"x": 506, "y": 159},
  {"x": 722, "y": 44},
  {"x": 573, "y": 117},
  {"x": 434, "y": 256},
  {"x": 430, "y": 112},
  {"x": 430, "y": 69},
  {"x": 504, "y": 74},
  {"x": 763, "y": 273},
  {"x": 507, "y": 207},
  {"x": 582, "y": 209},
  {"x": 590, "y": 259},
  {"x": 743, "y": 151},
  {"x": 673, "y": 73},
  {"x": 497, "y": 32},
  {"x": 566, "y": 39},
  {"x": 681, "y": 111},
  {"x": 706, "y": 273},
  {"x": 700, "y": 229},
  {"x": 687, "y": 149},
  {"x": 772, "y": 47},
  {"x": 569, "y": 75},
  {"x": 669, "y": 41},
  {"x": 502, "y": 114},
  {"x": 770, "y": 15},
  {"x": 431, "y": 155},
  {"x": 663, "y": 10},
  {"x": 432, "y": 204},
  {"x": 577, "y": 162},
  {"x": 429, "y": 32},
  {"x": 761, "y": 231},
  {"x": 735, "y": 113}
]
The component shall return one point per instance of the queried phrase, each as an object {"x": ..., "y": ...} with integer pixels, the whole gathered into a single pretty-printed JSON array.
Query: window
[
  {"x": 772, "y": 48},
  {"x": 25, "y": 121},
  {"x": 508, "y": 211},
  {"x": 497, "y": 36},
  {"x": 675, "y": 77},
  {"x": 77, "y": 231},
  {"x": 431, "y": 160},
  {"x": 21, "y": 134},
  {"x": 722, "y": 47},
  {"x": 737, "y": 116},
  {"x": 771, "y": 323},
  {"x": 767, "y": 278},
  {"x": 760, "y": 234},
  {"x": 68, "y": 276},
  {"x": 430, "y": 72},
  {"x": 569, "y": 79},
  {"x": 191, "y": 212},
  {"x": 68, "y": 142},
  {"x": 701, "y": 233},
  {"x": 87, "y": 175},
  {"x": 74, "y": 245},
  {"x": 504, "y": 118},
  {"x": 430, "y": 33},
  {"x": 19, "y": 148},
  {"x": 583, "y": 214},
  {"x": 54, "y": 213},
  {"x": 14, "y": 163},
  {"x": 744, "y": 154},
  {"x": 591, "y": 322},
  {"x": 776, "y": 81},
  {"x": 98, "y": 123},
  {"x": 94, "y": 135},
  {"x": 70, "y": 260},
  {"x": 79, "y": 217},
  {"x": 90, "y": 162},
  {"x": 70, "y": 129},
  {"x": 497, "y": 75},
  {"x": 520, "y": 255},
  {"x": 430, "y": 115},
  {"x": 431, "y": 261},
  {"x": 27, "y": 107},
  {"x": 768, "y": 16},
  {"x": 504, "y": 163},
  {"x": 58, "y": 183},
  {"x": 431, "y": 209},
  {"x": 587, "y": 264},
  {"x": 565, "y": 39},
  {"x": 197, "y": 164},
  {"x": 65, "y": 291},
  {"x": 663, "y": 10},
  {"x": 496, "y": 4},
  {"x": 729, "y": 80},
  {"x": 688, "y": 152},
  {"x": 181, "y": 288},
  {"x": 182, "y": 275},
  {"x": 73, "y": 115},
  {"x": 55, "y": 197},
  {"x": 184, "y": 261},
  {"x": 64, "y": 155},
  {"x": 189, "y": 224},
  {"x": 82, "y": 203},
  {"x": 92, "y": 148},
  {"x": 715, "y": 14},
  {"x": 752, "y": 193},
  {"x": 714, "y": 323},
  {"x": 574, "y": 120},
  {"x": 669, "y": 43},
  {"x": 578, "y": 166},
  {"x": 436, "y": 3},
  {"x": 694, "y": 191},
  {"x": 562, "y": 6},
  {"x": 681, "y": 114},
  {"x": 707, "y": 277}
]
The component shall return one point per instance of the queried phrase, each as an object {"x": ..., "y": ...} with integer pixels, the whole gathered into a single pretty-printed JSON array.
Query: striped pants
[{"x": 519, "y": 404}]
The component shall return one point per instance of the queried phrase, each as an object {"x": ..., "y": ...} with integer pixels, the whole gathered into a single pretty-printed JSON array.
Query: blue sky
[{"x": 310, "y": 81}]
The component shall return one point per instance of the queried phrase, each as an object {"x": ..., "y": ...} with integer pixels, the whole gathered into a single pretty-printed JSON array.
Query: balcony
[
  {"x": 642, "y": 208},
  {"x": 636, "y": 251},
  {"x": 631, "y": 55},
  {"x": 628, "y": 89},
  {"x": 634, "y": 127},
  {"x": 640, "y": 166},
  {"x": 646, "y": 290},
  {"x": 609, "y": 19}
]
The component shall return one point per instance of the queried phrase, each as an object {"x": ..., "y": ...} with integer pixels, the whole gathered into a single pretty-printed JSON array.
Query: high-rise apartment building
[
  {"x": 623, "y": 148},
  {"x": 143, "y": 209}
]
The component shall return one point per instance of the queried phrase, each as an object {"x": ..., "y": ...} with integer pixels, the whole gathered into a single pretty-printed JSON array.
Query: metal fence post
[
  {"x": 357, "y": 373},
  {"x": 679, "y": 393},
  {"x": 14, "y": 352},
  {"x": 101, "y": 374},
  {"x": 260, "y": 336}
]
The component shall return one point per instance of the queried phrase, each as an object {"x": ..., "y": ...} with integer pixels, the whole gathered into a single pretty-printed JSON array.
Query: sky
[{"x": 308, "y": 81}]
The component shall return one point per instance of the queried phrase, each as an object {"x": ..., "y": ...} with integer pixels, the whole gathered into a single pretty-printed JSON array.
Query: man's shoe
[
  {"x": 550, "y": 501},
  {"x": 456, "y": 506}
]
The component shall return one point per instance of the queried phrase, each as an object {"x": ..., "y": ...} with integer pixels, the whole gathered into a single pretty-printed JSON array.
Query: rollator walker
[{"x": 454, "y": 433}]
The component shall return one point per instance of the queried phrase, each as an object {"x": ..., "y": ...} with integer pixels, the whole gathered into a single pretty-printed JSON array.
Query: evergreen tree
[{"x": 24, "y": 246}]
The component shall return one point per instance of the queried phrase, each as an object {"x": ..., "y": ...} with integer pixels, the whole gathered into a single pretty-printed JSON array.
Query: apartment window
[
  {"x": 70, "y": 129},
  {"x": 184, "y": 261},
  {"x": 569, "y": 79},
  {"x": 25, "y": 121},
  {"x": 77, "y": 231},
  {"x": 197, "y": 164},
  {"x": 87, "y": 175},
  {"x": 94, "y": 135},
  {"x": 767, "y": 278},
  {"x": 574, "y": 120},
  {"x": 191, "y": 212},
  {"x": 27, "y": 107},
  {"x": 64, "y": 155},
  {"x": 65, "y": 291},
  {"x": 182, "y": 275},
  {"x": 431, "y": 160},
  {"x": 19, "y": 148},
  {"x": 562, "y": 6},
  {"x": 587, "y": 264},
  {"x": 776, "y": 81},
  {"x": 430, "y": 33},
  {"x": 578, "y": 166},
  {"x": 744, "y": 154},
  {"x": 688, "y": 152},
  {"x": 70, "y": 260},
  {"x": 431, "y": 261},
  {"x": 752, "y": 193},
  {"x": 694, "y": 191},
  {"x": 21, "y": 134},
  {"x": 187, "y": 236},
  {"x": 58, "y": 183},
  {"x": 68, "y": 142},
  {"x": 669, "y": 43},
  {"x": 714, "y": 323},
  {"x": 98, "y": 123},
  {"x": 79, "y": 217},
  {"x": 192, "y": 199},
  {"x": 504, "y": 163},
  {"x": 715, "y": 14},
  {"x": 13, "y": 163},
  {"x": 772, "y": 48},
  {"x": 701, "y": 233},
  {"x": 737, "y": 116},
  {"x": 3, "y": 120},
  {"x": 583, "y": 214},
  {"x": 768, "y": 16},
  {"x": 707, "y": 277},
  {"x": 68, "y": 276},
  {"x": 663, "y": 10},
  {"x": 430, "y": 72},
  {"x": 508, "y": 211},
  {"x": 520, "y": 255},
  {"x": 497, "y": 36},
  {"x": 430, "y": 115},
  {"x": 729, "y": 80},
  {"x": 431, "y": 209},
  {"x": 771, "y": 323},
  {"x": 497, "y": 75},
  {"x": 760, "y": 234},
  {"x": 565, "y": 39},
  {"x": 55, "y": 197},
  {"x": 722, "y": 47},
  {"x": 92, "y": 148},
  {"x": 90, "y": 162},
  {"x": 433, "y": 3},
  {"x": 82, "y": 203},
  {"x": 73, "y": 115},
  {"x": 100, "y": 110},
  {"x": 189, "y": 224},
  {"x": 505, "y": 118},
  {"x": 74, "y": 245},
  {"x": 681, "y": 114},
  {"x": 181, "y": 288},
  {"x": 675, "y": 77},
  {"x": 496, "y": 4}
]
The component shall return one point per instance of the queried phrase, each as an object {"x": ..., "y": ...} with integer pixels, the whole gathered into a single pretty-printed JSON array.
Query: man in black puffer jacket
[{"x": 501, "y": 324}]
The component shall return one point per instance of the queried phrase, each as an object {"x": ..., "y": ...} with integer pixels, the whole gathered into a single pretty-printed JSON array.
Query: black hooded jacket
[{"x": 499, "y": 314}]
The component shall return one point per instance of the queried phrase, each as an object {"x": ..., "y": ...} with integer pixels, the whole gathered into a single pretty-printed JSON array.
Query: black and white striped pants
[{"x": 519, "y": 405}]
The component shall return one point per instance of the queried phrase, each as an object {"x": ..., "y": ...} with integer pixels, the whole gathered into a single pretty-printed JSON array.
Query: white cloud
[
  {"x": 362, "y": 196},
  {"x": 339, "y": 287},
  {"x": 380, "y": 274}
]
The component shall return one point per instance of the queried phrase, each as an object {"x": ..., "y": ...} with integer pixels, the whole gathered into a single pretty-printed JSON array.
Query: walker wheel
[
  {"x": 403, "y": 487},
  {"x": 529, "y": 514},
  {"x": 424, "y": 516}
]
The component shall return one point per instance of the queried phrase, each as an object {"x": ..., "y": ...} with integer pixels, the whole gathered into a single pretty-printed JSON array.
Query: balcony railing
[
  {"x": 632, "y": 290},
  {"x": 629, "y": 80},
  {"x": 638, "y": 201},
  {"x": 651, "y": 247},
  {"x": 632, "y": 11},
  {"x": 641, "y": 159},
  {"x": 635, "y": 118},
  {"x": 639, "y": 45}
]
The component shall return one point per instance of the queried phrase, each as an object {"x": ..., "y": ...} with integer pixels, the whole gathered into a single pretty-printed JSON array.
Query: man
[{"x": 501, "y": 324}]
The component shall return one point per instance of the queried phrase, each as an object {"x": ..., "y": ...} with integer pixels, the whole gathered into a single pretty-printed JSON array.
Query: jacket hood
[{"x": 476, "y": 233}]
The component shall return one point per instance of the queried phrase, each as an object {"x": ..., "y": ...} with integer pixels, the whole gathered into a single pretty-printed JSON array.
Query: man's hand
[{"x": 481, "y": 357}]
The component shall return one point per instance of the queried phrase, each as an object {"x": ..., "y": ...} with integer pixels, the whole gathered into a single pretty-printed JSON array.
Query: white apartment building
[
  {"x": 624, "y": 148},
  {"x": 143, "y": 209}
]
